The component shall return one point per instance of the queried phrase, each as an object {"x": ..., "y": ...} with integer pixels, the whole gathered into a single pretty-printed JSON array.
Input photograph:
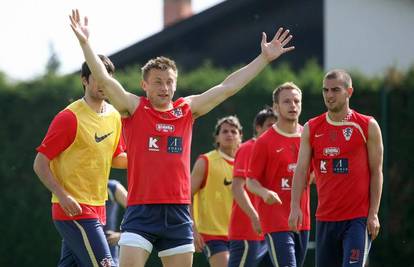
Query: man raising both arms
[
  {"x": 346, "y": 151},
  {"x": 158, "y": 136}
]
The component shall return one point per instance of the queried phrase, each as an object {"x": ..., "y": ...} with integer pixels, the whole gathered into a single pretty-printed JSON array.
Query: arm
[
  {"x": 243, "y": 200},
  {"x": 41, "y": 166},
  {"x": 121, "y": 195},
  {"x": 269, "y": 197},
  {"x": 375, "y": 157},
  {"x": 299, "y": 180},
  {"x": 123, "y": 101},
  {"x": 203, "y": 103},
  {"x": 120, "y": 161},
  {"x": 197, "y": 178}
]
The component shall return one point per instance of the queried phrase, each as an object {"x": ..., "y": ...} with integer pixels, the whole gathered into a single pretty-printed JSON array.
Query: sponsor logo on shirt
[
  {"x": 99, "y": 139},
  {"x": 175, "y": 144},
  {"x": 331, "y": 151},
  {"x": 340, "y": 166},
  {"x": 347, "y": 133},
  {"x": 165, "y": 128},
  {"x": 322, "y": 166},
  {"x": 154, "y": 143},
  {"x": 284, "y": 184}
]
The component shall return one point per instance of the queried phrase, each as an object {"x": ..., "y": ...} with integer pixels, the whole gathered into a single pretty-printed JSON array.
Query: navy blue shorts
[
  {"x": 166, "y": 227},
  {"x": 343, "y": 243},
  {"x": 84, "y": 244},
  {"x": 248, "y": 253},
  {"x": 287, "y": 248},
  {"x": 215, "y": 246}
]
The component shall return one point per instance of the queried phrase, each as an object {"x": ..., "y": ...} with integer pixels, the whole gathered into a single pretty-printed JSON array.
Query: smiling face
[{"x": 160, "y": 86}]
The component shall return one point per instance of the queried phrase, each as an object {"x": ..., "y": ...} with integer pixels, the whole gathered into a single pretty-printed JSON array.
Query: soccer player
[
  {"x": 117, "y": 196},
  {"x": 73, "y": 162},
  {"x": 270, "y": 174},
  {"x": 247, "y": 245},
  {"x": 211, "y": 180},
  {"x": 158, "y": 134},
  {"x": 345, "y": 148}
]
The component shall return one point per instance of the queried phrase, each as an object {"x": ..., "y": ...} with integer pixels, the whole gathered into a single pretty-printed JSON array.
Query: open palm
[
  {"x": 81, "y": 30},
  {"x": 276, "y": 46}
]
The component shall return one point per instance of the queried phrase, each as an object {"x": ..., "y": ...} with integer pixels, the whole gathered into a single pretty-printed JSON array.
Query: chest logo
[
  {"x": 227, "y": 182},
  {"x": 347, "y": 133},
  {"x": 331, "y": 151},
  {"x": 153, "y": 143},
  {"x": 99, "y": 139}
]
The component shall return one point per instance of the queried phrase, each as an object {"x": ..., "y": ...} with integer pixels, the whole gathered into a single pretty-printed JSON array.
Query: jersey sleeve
[
  {"x": 241, "y": 162},
  {"x": 120, "y": 147},
  {"x": 258, "y": 159},
  {"x": 60, "y": 135}
]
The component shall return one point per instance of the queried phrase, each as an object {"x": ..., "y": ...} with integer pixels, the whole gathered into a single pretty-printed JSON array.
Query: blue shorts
[
  {"x": 215, "y": 246},
  {"x": 84, "y": 244},
  {"x": 167, "y": 227},
  {"x": 343, "y": 243},
  {"x": 287, "y": 248},
  {"x": 248, "y": 253}
]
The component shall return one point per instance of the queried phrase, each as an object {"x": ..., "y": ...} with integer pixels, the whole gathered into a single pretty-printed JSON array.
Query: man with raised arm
[
  {"x": 158, "y": 136},
  {"x": 346, "y": 151}
]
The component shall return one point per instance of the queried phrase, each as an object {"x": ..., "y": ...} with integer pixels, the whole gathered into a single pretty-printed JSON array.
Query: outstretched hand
[
  {"x": 276, "y": 47},
  {"x": 80, "y": 29}
]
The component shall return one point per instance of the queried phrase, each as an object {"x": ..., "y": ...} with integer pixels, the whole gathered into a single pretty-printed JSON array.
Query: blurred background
[{"x": 39, "y": 59}]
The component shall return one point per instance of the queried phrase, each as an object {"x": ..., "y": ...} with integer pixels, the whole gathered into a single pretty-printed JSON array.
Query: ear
[
  {"x": 144, "y": 85},
  {"x": 350, "y": 91},
  {"x": 275, "y": 108},
  {"x": 84, "y": 81}
]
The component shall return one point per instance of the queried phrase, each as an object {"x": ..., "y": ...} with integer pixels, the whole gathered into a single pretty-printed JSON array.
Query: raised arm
[
  {"x": 375, "y": 157},
  {"x": 123, "y": 101},
  {"x": 299, "y": 180},
  {"x": 203, "y": 103}
]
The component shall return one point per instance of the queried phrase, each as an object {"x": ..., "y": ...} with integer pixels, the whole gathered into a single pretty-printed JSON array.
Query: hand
[
  {"x": 256, "y": 224},
  {"x": 70, "y": 206},
  {"x": 271, "y": 198},
  {"x": 112, "y": 237},
  {"x": 276, "y": 47},
  {"x": 373, "y": 225},
  {"x": 81, "y": 30},
  {"x": 198, "y": 241},
  {"x": 295, "y": 219}
]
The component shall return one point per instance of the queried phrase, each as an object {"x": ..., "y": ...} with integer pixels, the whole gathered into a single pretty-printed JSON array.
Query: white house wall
[{"x": 369, "y": 35}]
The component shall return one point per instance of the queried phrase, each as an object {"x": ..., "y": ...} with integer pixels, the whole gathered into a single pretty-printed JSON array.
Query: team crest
[
  {"x": 177, "y": 112},
  {"x": 347, "y": 133}
]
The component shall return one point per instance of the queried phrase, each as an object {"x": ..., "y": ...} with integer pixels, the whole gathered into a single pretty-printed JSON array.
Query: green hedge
[{"x": 26, "y": 108}]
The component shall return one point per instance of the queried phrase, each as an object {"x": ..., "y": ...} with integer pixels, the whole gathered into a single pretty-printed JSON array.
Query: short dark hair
[
  {"x": 284, "y": 86},
  {"x": 262, "y": 116},
  {"x": 231, "y": 120},
  {"x": 159, "y": 63},
  {"x": 339, "y": 74},
  {"x": 86, "y": 72}
]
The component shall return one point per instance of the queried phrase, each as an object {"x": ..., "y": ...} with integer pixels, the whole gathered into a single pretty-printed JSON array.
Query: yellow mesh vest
[
  {"x": 83, "y": 168},
  {"x": 213, "y": 203}
]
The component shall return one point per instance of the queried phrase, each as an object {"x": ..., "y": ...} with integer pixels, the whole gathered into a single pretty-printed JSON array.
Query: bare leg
[
  {"x": 220, "y": 259},
  {"x": 184, "y": 260},
  {"x": 132, "y": 256}
]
